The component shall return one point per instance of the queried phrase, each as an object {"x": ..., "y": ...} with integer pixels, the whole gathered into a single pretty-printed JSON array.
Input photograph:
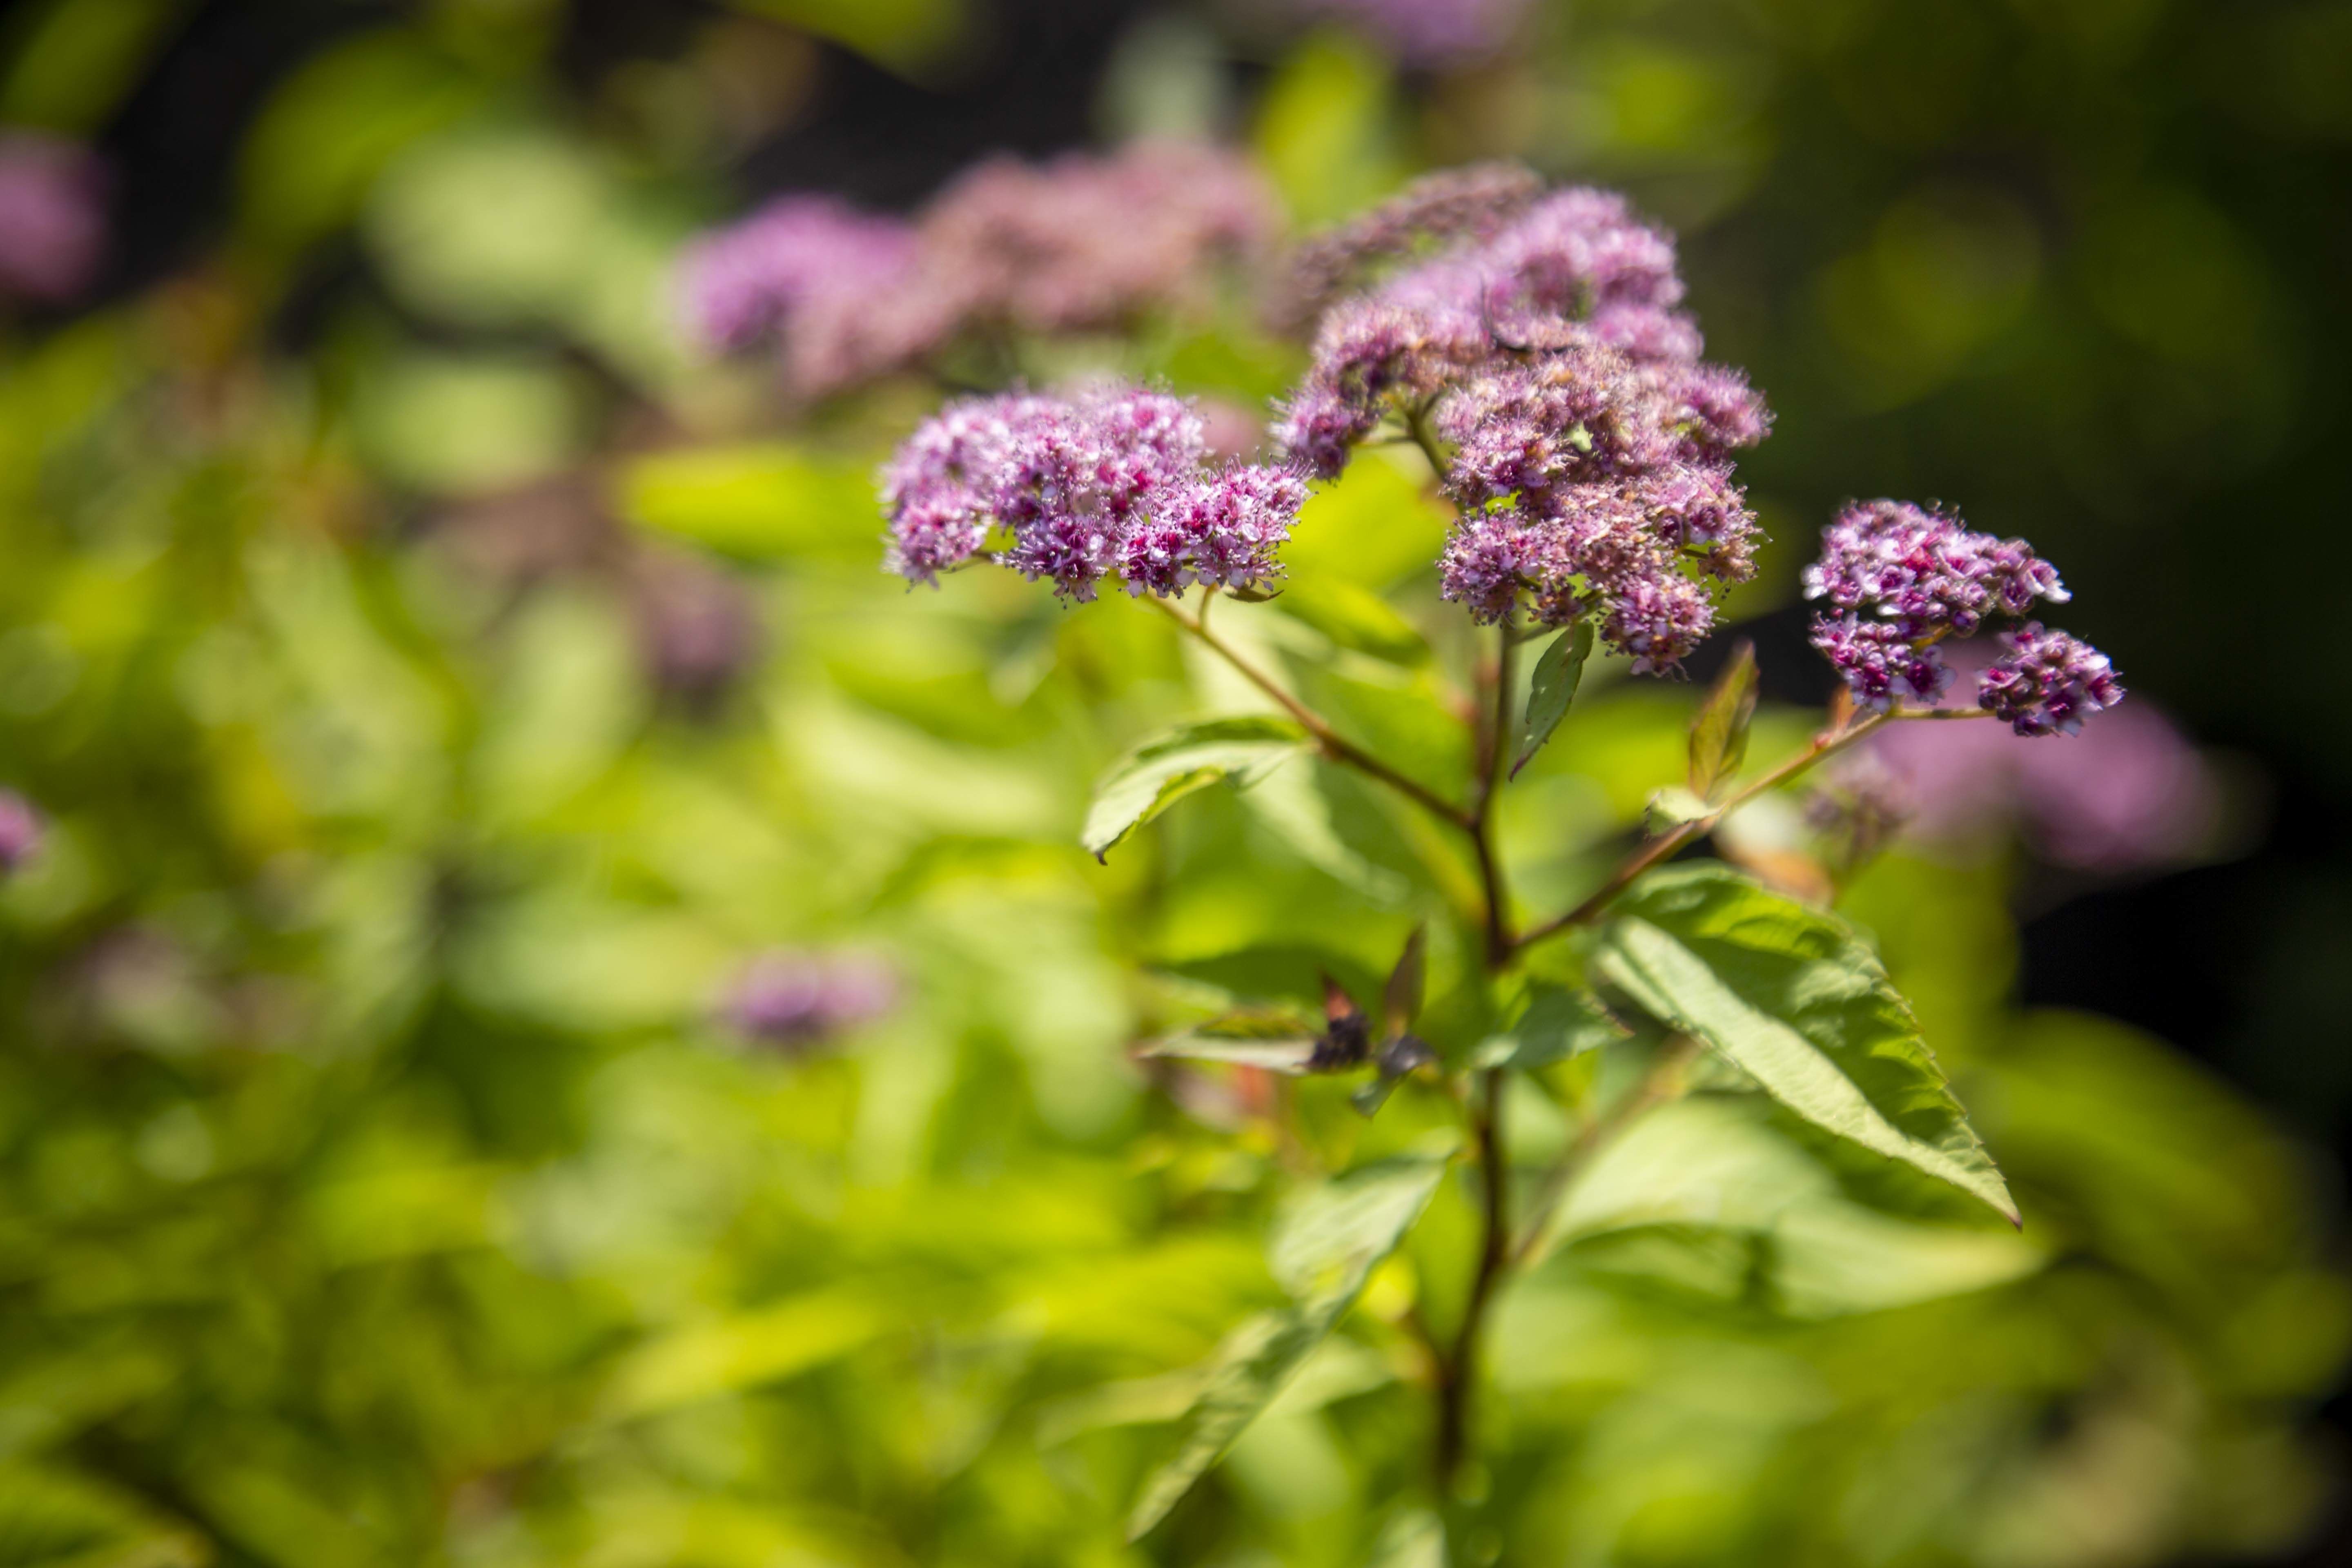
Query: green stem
[
  {"x": 1823, "y": 747},
  {"x": 1335, "y": 746}
]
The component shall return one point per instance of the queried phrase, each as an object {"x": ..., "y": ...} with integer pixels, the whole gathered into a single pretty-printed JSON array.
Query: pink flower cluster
[
  {"x": 799, "y": 999},
  {"x": 1110, "y": 483},
  {"x": 52, "y": 218},
  {"x": 1900, "y": 579},
  {"x": 1592, "y": 462},
  {"x": 1078, "y": 244},
  {"x": 20, "y": 830},
  {"x": 1428, "y": 32}
]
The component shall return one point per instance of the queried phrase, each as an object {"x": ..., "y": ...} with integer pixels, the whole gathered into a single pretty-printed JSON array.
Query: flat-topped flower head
[
  {"x": 1112, "y": 482},
  {"x": 1591, "y": 449},
  {"x": 1899, "y": 580}
]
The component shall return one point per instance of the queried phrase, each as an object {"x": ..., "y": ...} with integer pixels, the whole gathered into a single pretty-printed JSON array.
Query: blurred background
[{"x": 476, "y": 764}]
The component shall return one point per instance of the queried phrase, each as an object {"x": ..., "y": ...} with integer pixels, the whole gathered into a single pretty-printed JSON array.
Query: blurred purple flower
[
  {"x": 21, "y": 830},
  {"x": 1079, "y": 243},
  {"x": 1427, "y": 32},
  {"x": 52, "y": 217},
  {"x": 2128, "y": 793},
  {"x": 799, "y": 999},
  {"x": 698, "y": 627}
]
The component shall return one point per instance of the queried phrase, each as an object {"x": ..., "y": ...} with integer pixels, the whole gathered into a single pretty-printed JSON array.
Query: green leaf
[
  {"x": 1329, "y": 1240},
  {"x": 1355, "y": 617},
  {"x": 1558, "y": 1025},
  {"x": 1162, "y": 771},
  {"x": 1719, "y": 741},
  {"x": 1279, "y": 1040},
  {"x": 1325, "y": 1247},
  {"x": 1401, "y": 1001},
  {"x": 1553, "y": 687},
  {"x": 702, "y": 1361},
  {"x": 1291, "y": 803},
  {"x": 1792, "y": 997},
  {"x": 756, "y": 502}
]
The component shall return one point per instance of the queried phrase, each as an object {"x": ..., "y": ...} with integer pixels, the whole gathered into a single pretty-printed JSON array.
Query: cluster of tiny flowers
[
  {"x": 1110, "y": 483},
  {"x": 20, "y": 830},
  {"x": 799, "y": 999},
  {"x": 1471, "y": 203},
  {"x": 1079, "y": 243},
  {"x": 2047, "y": 682},
  {"x": 1593, "y": 449},
  {"x": 1427, "y": 32},
  {"x": 1899, "y": 579},
  {"x": 52, "y": 218}
]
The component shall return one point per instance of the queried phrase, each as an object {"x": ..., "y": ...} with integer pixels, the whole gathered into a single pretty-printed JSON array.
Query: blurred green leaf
[
  {"x": 761, "y": 502},
  {"x": 906, "y": 36},
  {"x": 1355, "y": 617},
  {"x": 1793, "y": 998},
  {"x": 1324, "y": 1248},
  {"x": 1556, "y": 1025},
  {"x": 702, "y": 1361},
  {"x": 1162, "y": 771}
]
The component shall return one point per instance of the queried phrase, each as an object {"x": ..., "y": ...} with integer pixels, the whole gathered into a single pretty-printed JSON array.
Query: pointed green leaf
[
  {"x": 1553, "y": 687},
  {"x": 1325, "y": 1247},
  {"x": 1163, "y": 770},
  {"x": 1329, "y": 1240},
  {"x": 1791, "y": 996},
  {"x": 1556, "y": 1025},
  {"x": 1718, "y": 742},
  {"x": 1401, "y": 1002}
]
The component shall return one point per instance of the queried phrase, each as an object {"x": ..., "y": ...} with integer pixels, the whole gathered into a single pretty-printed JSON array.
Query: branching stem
[
  {"x": 1335, "y": 746},
  {"x": 1823, "y": 747}
]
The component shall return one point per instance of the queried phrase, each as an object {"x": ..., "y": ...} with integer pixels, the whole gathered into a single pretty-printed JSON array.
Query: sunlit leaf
[
  {"x": 1557, "y": 1023},
  {"x": 1355, "y": 617},
  {"x": 1326, "y": 1245},
  {"x": 1719, "y": 741},
  {"x": 1552, "y": 688},
  {"x": 1163, "y": 770},
  {"x": 1791, "y": 996},
  {"x": 730, "y": 1355}
]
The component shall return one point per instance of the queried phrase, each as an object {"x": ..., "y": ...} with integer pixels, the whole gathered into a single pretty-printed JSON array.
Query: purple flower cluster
[
  {"x": 20, "y": 830},
  {"x": 799, "y": 999},
  {"x": 1591, "y": 460},
  {"x": 1078, "y": 244},
  {"x": 1110, "y": 483},
  {"x": 1428, "y": 32},
  {"x": 1900, "y": 579},
  {"x": 1472, "y": 203},
  {"x": 2047, "y": 682},
  {"x": 52, "y": 218}
]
